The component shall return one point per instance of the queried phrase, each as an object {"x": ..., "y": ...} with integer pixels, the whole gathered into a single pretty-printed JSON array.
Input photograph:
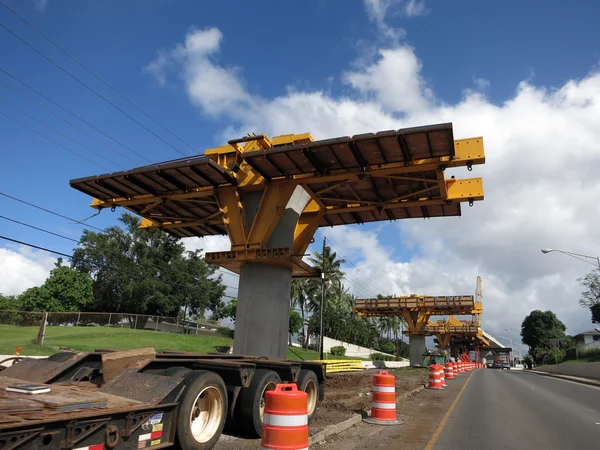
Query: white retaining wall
[{"x": 351, "y": 349}]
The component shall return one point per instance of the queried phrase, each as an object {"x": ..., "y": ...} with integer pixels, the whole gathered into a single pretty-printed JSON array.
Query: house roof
[{"x": 594, "y": 331}]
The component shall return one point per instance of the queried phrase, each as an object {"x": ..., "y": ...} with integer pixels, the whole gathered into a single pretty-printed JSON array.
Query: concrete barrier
[
  {"x": 583, "y": 370},
  {"x": 385, "y": 364}
]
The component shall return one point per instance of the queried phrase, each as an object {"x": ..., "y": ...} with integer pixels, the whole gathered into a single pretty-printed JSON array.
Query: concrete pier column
[
  {"x": 263, "y": 304},
  {"x": 417, "y": 348}
]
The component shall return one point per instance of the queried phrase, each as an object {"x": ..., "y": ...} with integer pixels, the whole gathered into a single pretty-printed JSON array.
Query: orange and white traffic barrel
[
  {"x": 455, "y": 367},
  {"x": 285, "y": 423},
  {"x": 449, "y": 375},
  {"x": 435, "y": 380},
  {"x": 442, "y": 376},
  {"x": 383, "y": 400}
]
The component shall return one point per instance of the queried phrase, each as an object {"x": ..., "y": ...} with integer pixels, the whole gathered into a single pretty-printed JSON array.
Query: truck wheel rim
[
  {"x": 311, "y": 393},
  {"x": 269, "y": 387},
  {"x": 205, "y": 416}
]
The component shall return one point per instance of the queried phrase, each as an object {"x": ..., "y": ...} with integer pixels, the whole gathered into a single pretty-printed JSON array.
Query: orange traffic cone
[
  {"x": 449, "y": 375},
  {"x": 435, "y": 380},
  {"x": 285, "y": 423},
  {"x": 383, "y": 400}
]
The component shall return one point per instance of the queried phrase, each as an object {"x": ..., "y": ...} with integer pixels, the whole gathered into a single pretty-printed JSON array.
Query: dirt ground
[
  {"x": 346, "y": 394},
  {"x": 420, "y": 414}
]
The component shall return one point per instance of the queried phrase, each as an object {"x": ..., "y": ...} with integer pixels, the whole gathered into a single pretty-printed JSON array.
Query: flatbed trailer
[{"x": 139, "y": 399}]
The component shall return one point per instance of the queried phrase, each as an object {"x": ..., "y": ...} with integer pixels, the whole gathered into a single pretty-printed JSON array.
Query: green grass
[
  {"x": 90, "y": 338},
  {"x": 297, "y": 353}
]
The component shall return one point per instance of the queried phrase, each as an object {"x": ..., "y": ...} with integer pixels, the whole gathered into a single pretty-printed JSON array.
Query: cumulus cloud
[
  {"x": 213, "y": 88},
  {"x": 40, "y": 5},
  {"x": 22, "y": 268},
  {"x": 542, "y": 148}
]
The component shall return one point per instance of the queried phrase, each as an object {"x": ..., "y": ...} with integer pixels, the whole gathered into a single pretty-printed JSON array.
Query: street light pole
[
  {"x": 578, "y": 256},
  {"x": 322, "y": 299}
]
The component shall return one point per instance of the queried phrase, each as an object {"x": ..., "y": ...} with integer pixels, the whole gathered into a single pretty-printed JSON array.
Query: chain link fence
[{"x": 116, "y": 320}]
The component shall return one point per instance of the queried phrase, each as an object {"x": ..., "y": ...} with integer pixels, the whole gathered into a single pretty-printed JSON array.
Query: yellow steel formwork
[{"x": 364, "y": 178}]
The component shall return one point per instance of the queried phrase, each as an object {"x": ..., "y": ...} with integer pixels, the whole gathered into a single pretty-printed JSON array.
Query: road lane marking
[{"x": 440, "y": 427}]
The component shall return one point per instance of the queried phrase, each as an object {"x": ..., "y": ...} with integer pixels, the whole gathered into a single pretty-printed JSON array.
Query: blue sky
[{"x": 271, "y": 50}]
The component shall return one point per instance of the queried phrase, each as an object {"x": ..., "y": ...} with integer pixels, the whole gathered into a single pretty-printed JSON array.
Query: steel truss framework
[
  {"x": 388, "y": 175},
  {"x": 417, "y": 311}
]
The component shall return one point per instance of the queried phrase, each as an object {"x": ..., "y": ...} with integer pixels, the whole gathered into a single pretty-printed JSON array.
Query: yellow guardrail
[{"x": 342, "y": 365}]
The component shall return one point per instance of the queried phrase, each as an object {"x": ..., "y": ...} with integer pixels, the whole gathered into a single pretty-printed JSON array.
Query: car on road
[
  {"x": 497, "y": 365},
  {"x": 506, "y": 366},
  {"x": 490, "y": 365}
]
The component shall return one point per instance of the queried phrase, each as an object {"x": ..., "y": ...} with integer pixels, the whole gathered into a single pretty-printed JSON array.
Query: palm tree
[{"x": 331, "y": 267}]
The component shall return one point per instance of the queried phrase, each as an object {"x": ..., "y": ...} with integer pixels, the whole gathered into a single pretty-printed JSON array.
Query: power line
[
  {"x": 39, "y": 229},
  {"x": 225, "y": 271},
  {"x": 91, "y": 72},
  {"x": 36, "y": 247},
  {"x": 43, "y": 230},
  {"x": 60, "y": 134},
  {"x": 91, "y": 136},
  {"x": 53, "y": 141},
  {"x": 50, "y": 212},
  {"x": 97, "y": 265},
  {"x": 47, "y": 58},
  {"x": 73, "y": 114}
]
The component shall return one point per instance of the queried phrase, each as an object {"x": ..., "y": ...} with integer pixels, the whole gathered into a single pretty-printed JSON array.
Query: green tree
[
  {"x": 595, "y": 310},
  {"x": 9, "y": 302},
  {"x": 294, "y": 325},
  {"x": 65, "y": 290},
  {"x": 537, "y": 331},
  {"x": 145, "y": 272},
  {"x": 590, "y": 297},
  {"x": 226, "y": 310}
]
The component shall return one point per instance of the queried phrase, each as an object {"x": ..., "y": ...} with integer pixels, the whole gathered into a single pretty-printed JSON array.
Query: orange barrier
[
  {"x": 455, "y": 367},
  {"x": 383, "y": 400},
  {"x": 449, "y": 375},
  {"x": 435, "y": 380},
  {"x": 442, "y": 376},
  {"x": 285, "y": 423}
]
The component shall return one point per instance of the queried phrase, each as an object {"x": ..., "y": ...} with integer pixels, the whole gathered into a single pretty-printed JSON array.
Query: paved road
[{"x": 519, "y": 410}]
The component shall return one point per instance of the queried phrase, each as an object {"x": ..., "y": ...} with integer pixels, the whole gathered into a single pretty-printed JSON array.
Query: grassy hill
[{"x": 90, "y": 338}]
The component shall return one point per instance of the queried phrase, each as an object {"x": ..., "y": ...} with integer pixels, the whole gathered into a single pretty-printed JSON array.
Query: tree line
[{"x": 127, "y": 270}]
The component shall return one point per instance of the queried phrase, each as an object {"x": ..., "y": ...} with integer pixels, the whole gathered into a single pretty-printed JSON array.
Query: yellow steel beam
[
  {"x": 234, "y": 217},
  {"x": 307, "y": 225},
  {"x": 443, "y": 340},
  {"x": 416, "y": 321},
  {"x": 470, "y": 149}
]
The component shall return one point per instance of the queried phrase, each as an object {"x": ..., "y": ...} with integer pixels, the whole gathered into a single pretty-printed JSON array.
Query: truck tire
[
  {"x": 202, "y": 411},
  {"x": 251, "y": 403},
  {"x": 308, "y": 382}
]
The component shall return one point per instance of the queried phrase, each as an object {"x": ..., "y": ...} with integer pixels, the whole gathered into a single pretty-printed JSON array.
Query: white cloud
[
  {"x": 40, "y": 5},
  {"x": 22, "y": 269},
  {"x": 209, "y": 86},
  {"x": 394, "y": 80},
  {"x": 542, "y": 148},
  {"x": 415, "y": 8}
]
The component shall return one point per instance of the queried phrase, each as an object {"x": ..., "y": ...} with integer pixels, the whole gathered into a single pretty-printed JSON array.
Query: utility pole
[{"x": 322, "y": 297}]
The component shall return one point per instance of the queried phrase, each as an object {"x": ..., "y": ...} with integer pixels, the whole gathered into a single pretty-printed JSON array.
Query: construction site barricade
[
  {"x": 455, "y": 367},
  {"x": 383, "y": 400},
  {"x": 342, "y": 365},
  {"x": 449, "y": 374},
  {"x": 285, "y": 423},
  {"x": 435, "y": 379},
  {"x": 442, "y": 375}
]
